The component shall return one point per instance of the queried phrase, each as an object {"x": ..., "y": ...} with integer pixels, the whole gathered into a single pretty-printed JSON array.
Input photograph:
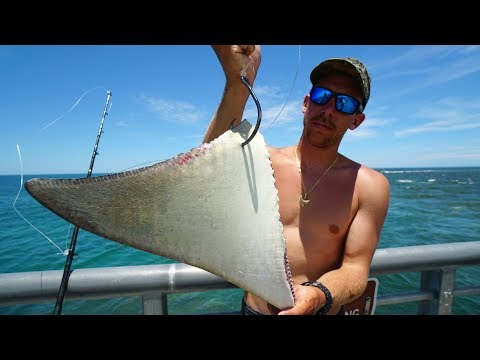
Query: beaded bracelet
[{"x": 329, "y": 301}]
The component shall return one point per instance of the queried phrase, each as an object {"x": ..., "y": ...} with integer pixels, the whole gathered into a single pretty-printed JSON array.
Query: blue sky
[{"x": 424, "y": 109}]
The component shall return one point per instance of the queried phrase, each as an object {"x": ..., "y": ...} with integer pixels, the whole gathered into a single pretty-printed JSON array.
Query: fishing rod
[{"x": 71, "y": 251}]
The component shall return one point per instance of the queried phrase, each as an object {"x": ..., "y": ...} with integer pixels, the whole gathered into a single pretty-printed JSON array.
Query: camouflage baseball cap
[{"x": 350, "y": 66}]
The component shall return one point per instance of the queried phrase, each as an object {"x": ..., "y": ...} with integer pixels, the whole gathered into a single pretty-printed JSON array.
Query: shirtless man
[{"x": 333, "y": 210}]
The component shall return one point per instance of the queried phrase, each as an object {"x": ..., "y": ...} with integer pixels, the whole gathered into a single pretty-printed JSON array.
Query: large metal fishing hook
[{"x": 259, "y": 110}]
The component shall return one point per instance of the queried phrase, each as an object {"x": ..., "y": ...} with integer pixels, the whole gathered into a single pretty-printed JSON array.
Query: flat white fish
[{"x": 215, "y": 207}]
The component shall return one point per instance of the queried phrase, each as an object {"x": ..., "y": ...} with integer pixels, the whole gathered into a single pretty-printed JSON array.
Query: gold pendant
[{"x": 303, "y": 200}]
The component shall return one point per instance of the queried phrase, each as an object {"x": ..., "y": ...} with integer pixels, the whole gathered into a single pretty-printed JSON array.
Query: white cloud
[
  {"x": 122, "y": 123},
  {"x": 448, "y": 114},
  {"x": 180, "y": 112},
  {"x": 450, "y": 63}
]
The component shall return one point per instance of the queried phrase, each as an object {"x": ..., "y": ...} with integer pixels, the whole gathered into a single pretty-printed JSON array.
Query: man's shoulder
[
  {"x": 279, "y": 152},
  {"x": 369, "y": 174},
  {"x": 370, "y": 178}
]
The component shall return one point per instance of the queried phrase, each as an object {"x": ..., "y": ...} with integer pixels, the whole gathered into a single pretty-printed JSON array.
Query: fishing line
[
  {"x": 66, "y": 240},
  {"x": 243, "y": 73},
  {"x": 291, "y": 90},
  {"x": 18, "y": 212},
  {"x": 147, "y": 162},
  {"x": 73, "y": 107},
  {"x": 62, "y": 252}
]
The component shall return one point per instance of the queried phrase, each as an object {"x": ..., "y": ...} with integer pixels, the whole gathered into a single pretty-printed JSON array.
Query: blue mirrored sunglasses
[{"x": 343, "y": 103}]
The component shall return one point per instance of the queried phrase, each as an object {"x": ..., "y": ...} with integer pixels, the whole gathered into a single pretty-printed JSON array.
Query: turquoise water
[{"x": 428, "y": 206}]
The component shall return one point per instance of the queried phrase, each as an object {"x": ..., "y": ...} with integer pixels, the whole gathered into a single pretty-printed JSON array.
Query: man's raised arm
[{"x": 236, "y": 60}]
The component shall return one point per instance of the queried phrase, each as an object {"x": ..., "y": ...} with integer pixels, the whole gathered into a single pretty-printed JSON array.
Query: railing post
[
  {"x": 155, "y": 304},
  {"x": 441, "y": 283},
  {"x": 445, "y": 296}
]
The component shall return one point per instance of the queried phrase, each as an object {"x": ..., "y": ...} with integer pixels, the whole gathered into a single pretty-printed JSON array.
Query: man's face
[{"x": 324, "y": 124}]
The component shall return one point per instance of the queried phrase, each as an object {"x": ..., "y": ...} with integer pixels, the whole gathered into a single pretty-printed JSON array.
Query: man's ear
[
  {"x": 305, "y": 103},
  {"x": 357, "y": 121}
]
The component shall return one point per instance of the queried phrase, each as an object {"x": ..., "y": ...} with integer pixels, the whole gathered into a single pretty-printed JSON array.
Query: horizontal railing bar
[
  {"x": 108, "y": 282},
  {"x": 466, "y": 291},
  {"x": 415, "y": 296},
  {"x": 125, "y": 281},
  {"x": 425, "y": 257}
]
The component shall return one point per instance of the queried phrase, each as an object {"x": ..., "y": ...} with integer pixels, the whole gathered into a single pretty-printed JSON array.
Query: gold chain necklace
[{"x": 304, "y": 194}]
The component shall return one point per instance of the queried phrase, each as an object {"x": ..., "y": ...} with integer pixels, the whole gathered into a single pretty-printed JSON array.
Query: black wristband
[{"x": 329, "y": 301}]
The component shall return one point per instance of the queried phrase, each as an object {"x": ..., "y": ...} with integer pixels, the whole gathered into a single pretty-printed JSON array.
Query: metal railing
[{"x": 437, "y": 264}]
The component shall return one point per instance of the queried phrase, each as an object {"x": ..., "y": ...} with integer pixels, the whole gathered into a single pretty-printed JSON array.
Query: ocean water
[{"x": 428, "y": 206}]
